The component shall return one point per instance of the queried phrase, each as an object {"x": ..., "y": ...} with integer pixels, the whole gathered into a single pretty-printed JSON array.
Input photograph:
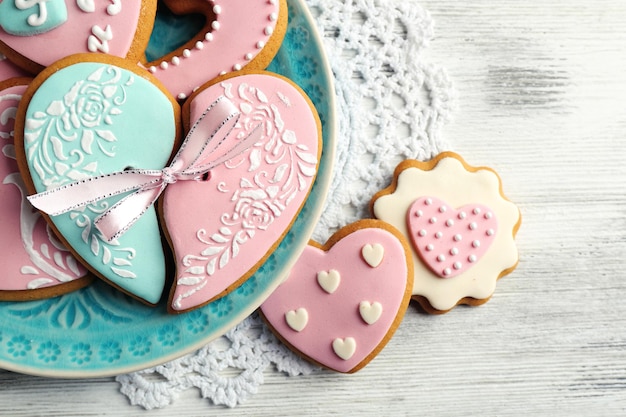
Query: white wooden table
[{"x": 542, "y": 99}]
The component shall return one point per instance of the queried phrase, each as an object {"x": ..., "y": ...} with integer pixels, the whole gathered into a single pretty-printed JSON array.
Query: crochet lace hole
[{"x": 206, "y": 176}]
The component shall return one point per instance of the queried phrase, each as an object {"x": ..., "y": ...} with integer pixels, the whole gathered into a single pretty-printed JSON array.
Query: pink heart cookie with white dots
[
  {"x": 450, "y": 241},
  {"x": 34, "y": 262},
  {"x": 344, "y": 300},
  {"x": 34, "y": 34}
]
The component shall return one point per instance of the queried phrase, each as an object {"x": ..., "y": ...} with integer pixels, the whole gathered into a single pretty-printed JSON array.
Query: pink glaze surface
[
  {"x": 360, "y": 294},
  {"x": 81, "y": 32},
  {"x": 9, "y": 70},
  {"x": 222, "y": 229},
  {"x": 241, "y": 30},
  {"x": 449, "y": 240},
  {"x": 31, "y": 256}
]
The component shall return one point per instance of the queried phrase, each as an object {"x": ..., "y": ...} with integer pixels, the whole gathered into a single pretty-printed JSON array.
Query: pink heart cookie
[
  {"x": 238, "y": 34},
  {"x": 34, "y": 263},
  {"x": 450, "y": 241},
  {"x": 343, "y": 300},
  {"x": 36, "y": 34},
  {"x": 222, "y": 229}
]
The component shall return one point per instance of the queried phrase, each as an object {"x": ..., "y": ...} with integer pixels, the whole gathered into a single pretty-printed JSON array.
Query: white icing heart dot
[
  {"x": 373, "y": 254},
  {"x": 370, "y": 312},
  {"x": 344, "y": 348},
  {"x": 329, "y": 280},
  {"x": 297, "y": 319}
]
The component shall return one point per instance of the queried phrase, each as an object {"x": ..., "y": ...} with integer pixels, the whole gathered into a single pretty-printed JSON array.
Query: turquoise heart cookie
[{"x": 88, "y": 118}]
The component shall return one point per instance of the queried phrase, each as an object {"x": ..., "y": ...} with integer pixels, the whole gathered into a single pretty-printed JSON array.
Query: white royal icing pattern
[
  {"x": 35, "y": 19},
  {"x": 99, "y": 41},
  {"x": 258, "y": 202},
  {"x": 49, "y": 264}
]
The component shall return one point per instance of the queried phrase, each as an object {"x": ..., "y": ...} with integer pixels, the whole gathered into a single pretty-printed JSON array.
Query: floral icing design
[
  {"x": 78, "y": 117},
  {"x": 94, "y": 118},
  {"x": 278, "y": 170},
  {"x": 49, "y": 262},
  {"x": 82, "y": 116}
]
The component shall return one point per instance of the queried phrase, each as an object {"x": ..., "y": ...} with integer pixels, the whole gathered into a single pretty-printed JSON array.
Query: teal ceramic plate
[{"x": 99, "y": 331}]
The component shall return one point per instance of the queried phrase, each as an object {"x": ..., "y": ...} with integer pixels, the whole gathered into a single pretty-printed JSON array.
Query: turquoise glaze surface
[
  {"x": 90, "y": 119},
  {"x": 100, "y": 331},
  {"x": 33, "y": 20}
]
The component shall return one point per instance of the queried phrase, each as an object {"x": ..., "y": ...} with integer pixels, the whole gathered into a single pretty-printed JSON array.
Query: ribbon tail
[
  {"x": 122, "y": 215},
  {"x": 72, "y": 196}
]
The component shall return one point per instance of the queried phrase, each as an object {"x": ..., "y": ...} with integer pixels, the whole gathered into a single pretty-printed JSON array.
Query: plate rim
[{"x": 323, "y": 180}]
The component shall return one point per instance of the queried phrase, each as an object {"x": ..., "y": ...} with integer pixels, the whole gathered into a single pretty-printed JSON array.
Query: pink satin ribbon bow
[{"x": 208, "y": 144}]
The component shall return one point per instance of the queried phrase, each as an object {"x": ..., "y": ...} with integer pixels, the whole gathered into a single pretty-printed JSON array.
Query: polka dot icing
[
  {"x": 465, "y": 237},
  {"x": 462, "y": 188}
]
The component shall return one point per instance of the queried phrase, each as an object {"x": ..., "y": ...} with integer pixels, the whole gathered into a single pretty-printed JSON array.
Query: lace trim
[{"x": 392, "y": 104}]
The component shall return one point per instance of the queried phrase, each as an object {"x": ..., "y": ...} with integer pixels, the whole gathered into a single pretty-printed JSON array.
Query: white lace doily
[{"x": 391, "y": 104}]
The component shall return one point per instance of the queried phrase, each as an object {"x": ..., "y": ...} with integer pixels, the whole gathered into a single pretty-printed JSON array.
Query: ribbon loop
[{"x": 208, "y": 144}]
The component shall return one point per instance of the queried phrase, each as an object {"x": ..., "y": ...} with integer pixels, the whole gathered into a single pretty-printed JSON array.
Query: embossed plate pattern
[{"x": 99, "y": 331}]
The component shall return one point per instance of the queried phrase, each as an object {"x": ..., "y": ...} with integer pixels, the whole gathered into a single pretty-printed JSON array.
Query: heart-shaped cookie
[
  {"x": 237, "y": 34},
  {"x": 90, "y": 115},
  {"x": 344, "y": 329},
  {"x": 36, "y": 33},
  {"x": 34, "y": 263},
  {"x": 449, "y": 240},
  {"x": 222, "y": 229}
]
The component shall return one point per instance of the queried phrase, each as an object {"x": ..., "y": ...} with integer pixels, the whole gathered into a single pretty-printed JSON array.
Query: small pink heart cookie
[
  {"x": 222, "y": 229},
  {"x": 343, "y": 301},
  {"x": 34, "y": 262},
  {"x": 448, "y": 240},
  {"x": 461, "y": 227},
  {"x": 36, "y": 33}
]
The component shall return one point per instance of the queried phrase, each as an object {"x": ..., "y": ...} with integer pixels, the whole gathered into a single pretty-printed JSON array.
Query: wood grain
[{"x": 542, "y": 99}]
